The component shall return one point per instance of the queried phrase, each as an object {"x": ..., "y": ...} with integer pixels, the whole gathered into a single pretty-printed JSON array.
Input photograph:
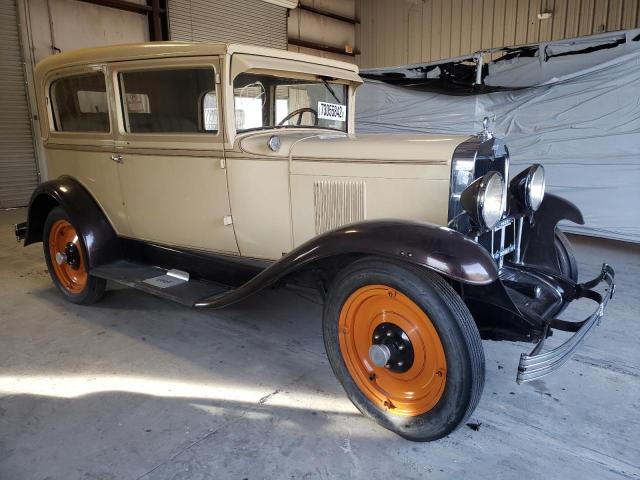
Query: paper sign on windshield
[{"x": 332, "y": 111}]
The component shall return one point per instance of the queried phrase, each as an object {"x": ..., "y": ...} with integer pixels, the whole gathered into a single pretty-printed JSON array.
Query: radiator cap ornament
[{"x": 486, "y": 134}]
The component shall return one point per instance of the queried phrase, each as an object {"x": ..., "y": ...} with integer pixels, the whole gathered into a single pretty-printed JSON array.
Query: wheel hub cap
[
  {"x": 61, "y": 258},
  {"x": 393, "y": 341},
  {"x": 379, "y": 355},
  {"x": 71, "y": 255}
]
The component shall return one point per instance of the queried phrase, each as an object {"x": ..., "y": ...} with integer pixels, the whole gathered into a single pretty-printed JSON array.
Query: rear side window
[
  {"x": 169, "y": 101},
  {"x": 79, "y": 103}
]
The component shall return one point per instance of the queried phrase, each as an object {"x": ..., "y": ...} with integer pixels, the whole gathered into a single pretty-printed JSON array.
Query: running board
[{"x": 170, "y": 284}]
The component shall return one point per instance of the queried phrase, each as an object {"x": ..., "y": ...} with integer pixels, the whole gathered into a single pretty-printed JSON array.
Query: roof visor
[{"x": 242, "y": 62}]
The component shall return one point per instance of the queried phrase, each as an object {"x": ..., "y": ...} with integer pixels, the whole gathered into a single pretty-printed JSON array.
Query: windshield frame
[{"x": 319, "y": 79}]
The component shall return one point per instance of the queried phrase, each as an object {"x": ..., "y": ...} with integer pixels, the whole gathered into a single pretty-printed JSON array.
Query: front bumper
[{"x": 538, "y": 364}]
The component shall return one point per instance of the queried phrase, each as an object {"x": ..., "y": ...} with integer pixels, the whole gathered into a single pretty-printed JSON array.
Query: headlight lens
[
  {"x": 536, "y": 186},
  {"x": 484, "y": 200},
  {"x": 493, "y": 205},
  {"x": 528, "y": 187}
]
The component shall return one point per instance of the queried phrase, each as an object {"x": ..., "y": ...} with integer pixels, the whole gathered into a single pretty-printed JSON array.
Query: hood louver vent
[{"x": 338, "y": 203}]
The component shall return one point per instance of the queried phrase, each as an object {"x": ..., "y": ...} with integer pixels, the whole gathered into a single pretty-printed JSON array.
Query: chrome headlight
[
  {"x": 528, "y": 187},
  {"x": 484, "y": 200}
]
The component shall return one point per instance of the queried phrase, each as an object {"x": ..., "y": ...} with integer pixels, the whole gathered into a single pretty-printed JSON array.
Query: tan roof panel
[{"x": 113, "y": 53}]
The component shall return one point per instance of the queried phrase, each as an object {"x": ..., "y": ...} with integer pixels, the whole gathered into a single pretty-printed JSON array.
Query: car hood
[{"x": 413, "y": 148}]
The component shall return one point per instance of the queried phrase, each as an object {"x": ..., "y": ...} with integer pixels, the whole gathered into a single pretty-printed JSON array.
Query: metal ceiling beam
[
  {"x": 151, "y": 9},
  {"x": 335, "y": 16},
  {"x": 122, "y": 5}
]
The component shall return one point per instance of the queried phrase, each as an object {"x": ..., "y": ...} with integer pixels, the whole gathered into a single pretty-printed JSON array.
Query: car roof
[{"x": 138, "y": 51}]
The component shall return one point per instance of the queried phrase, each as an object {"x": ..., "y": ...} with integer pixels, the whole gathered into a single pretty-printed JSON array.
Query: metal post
[
  {"x": 519, "y": 239},
  {"x": 502, "y": 234},
  {"x": 479, "y": 60},
  {"x": 492, "y": 238},
  {"x": 155, "y": 20}
]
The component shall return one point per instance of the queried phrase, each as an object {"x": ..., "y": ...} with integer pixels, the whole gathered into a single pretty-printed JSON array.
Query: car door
[
  {"x": 170, "y": 149},
  {"x": 78, "y": 136}
]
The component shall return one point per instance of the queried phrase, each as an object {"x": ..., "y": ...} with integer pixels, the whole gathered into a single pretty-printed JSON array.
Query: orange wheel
[
  {"x": 66, "y": 256},
  {"x": 392, "y": 350},
  {"x": 404, "y": 346}
]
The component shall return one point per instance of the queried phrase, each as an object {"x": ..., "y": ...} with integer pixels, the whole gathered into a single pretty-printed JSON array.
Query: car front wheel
[
  {"x": 565, "y": 256},
  {"x": 405, "y": 348}
]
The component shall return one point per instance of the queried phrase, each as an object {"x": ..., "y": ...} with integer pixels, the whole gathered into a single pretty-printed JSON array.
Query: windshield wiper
[{"x": 326, "y": 84}]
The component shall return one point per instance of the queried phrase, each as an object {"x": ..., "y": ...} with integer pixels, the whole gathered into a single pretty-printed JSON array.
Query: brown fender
[
  {"x": 100, "y": 239},
  {"x": 437, "y": 248},
  {"x": 538, "y": 236}
]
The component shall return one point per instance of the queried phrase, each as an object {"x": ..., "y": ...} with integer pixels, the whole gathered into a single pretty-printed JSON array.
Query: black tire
[
  {"x": 565, "y": 255},
  {"x": 94, "y": 288},
  {"x": 455, "y": 326}
]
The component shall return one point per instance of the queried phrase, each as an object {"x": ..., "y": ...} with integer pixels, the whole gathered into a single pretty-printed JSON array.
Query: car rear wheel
[
  {"x": 65, "y": 254},
  {"x": 405, "y": 348}
]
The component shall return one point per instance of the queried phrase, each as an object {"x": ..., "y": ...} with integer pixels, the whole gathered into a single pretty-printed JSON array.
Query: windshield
[{"x": 266, "y": 101}]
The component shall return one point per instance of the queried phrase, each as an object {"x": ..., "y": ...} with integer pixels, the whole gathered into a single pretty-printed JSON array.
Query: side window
[
  {"x": 249, "y": 101},
  {"x": 79, "y": 103},
  {"x": 210, "y": 111},
  {"x": 169, "y": 101}
]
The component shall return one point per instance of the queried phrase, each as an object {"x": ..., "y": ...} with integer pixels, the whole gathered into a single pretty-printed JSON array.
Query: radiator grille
[{"x": 338, "y": 203}]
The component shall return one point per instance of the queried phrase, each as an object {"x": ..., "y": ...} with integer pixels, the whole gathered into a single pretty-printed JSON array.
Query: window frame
[
  {"x": 185, "y": 139},
  {"x": 81, "y": 136},
  {"x": 297, "y": 76},
  {"x": 272, "y": 93}
]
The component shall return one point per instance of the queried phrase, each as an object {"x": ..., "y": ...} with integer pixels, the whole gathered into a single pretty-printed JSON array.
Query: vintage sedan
[{"x": 205, "y": 172}]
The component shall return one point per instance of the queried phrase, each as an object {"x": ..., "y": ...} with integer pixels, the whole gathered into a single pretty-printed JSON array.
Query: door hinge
[
  {"x": 227, "y": 220},
  {"x": 217, "y": 78},
  {"x": 223, "y": 163}
]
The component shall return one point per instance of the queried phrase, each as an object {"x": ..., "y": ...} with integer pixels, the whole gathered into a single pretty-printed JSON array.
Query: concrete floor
[{"x": 141, "y": 388}]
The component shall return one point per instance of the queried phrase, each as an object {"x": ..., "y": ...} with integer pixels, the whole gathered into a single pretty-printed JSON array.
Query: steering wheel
[{"x": 300, "y": 112}]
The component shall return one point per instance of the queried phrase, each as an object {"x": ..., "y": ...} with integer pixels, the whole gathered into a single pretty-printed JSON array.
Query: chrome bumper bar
[{"x": 536, "y": 364}]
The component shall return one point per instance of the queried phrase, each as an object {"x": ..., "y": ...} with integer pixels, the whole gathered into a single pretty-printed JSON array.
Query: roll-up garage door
[
  {"x": 254, "y": 22},
  {"x": 18, "y": 173}
]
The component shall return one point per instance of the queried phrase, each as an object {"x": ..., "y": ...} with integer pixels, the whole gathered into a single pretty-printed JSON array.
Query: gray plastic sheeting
[{"x": 584, "y": 129}]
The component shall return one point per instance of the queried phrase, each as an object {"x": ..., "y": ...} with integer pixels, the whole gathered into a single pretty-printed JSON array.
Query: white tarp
[
  {"x": 562, "y": 59},
  {"x": 583, "y": 127}
]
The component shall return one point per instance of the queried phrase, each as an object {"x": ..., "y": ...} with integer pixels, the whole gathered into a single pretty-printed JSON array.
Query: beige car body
[
  {"x": 228, "y": 192},
  {"x": 204, "y": 218}
]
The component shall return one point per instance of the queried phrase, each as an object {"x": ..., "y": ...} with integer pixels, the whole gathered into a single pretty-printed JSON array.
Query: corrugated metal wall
[
  {"x": 18, "y": 174},
  {"x": 401, "y": 32},
  {"x": 250, "y": 21}
]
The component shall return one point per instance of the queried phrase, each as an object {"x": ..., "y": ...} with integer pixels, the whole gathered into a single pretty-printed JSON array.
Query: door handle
[{"x": 116, "y": 158}]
